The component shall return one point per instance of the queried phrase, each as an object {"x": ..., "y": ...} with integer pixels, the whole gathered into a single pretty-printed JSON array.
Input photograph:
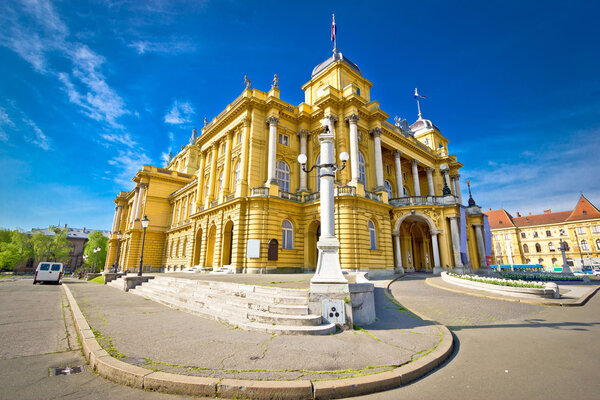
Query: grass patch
[
  {"x": 499, "y": 282},
  {"x": 98, "y": 279}
]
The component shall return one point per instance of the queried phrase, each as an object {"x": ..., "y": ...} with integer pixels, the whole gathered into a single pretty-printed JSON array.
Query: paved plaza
[{"x": 502, "y": 349}]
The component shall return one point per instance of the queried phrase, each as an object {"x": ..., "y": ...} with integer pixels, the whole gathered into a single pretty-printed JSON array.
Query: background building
[
  {"x": 535, "y": 239},
  {"x": 236, "y": 196}
]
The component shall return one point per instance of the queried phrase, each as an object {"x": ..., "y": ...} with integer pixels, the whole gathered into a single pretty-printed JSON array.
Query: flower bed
[
  {"x": 541, "y": 277},
  {"x": 506, "y": 287}
]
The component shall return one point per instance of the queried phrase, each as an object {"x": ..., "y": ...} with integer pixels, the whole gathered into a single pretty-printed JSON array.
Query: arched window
[
  {"x": 566, "y": 246},
  {"x": 240, "y": 136},
  {"x": 405, "y": 191},
  {"x": 540, "y": 261},
  {"x": 184, "y": 213},
  {"x": 554, "y": 262},
  {"x": 236, "y": 173},
  {"x": 282, "y": 174},
  {"x": 598, "y": 244},
  {"x": 287, "y": 230},
  {"x": 388, "y": 189},
  {"x": 184, "y": 246},
  {"x": 528, "y": 261},
  {"x": 584, "y": 245},
  {"x": 206, "y": 186},
  {"x": 362, "y": 176},
  {"x": 171, "y": 251},
  {"x": 372, "y": 235},
  {"x": 538, "y": 248},
  {"x": 220, "y": 181},
  {"x": 177, "y": 248},
  {"x": 551, "y": 246},
  {"x": 525, "y": 248}
]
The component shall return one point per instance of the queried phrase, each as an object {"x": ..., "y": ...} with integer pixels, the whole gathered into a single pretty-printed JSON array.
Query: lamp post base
[{"x": 329, "y": 269}]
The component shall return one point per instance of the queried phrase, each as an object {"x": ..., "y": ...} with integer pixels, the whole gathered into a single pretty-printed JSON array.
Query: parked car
[
  {"x": 596, "y": 271},
  {"x": 48, "y": 272}
]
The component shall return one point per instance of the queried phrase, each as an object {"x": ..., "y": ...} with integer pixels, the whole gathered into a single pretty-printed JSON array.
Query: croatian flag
[
  {"x": 418, "y": 96},
  {"x": 333, "y": 29}
]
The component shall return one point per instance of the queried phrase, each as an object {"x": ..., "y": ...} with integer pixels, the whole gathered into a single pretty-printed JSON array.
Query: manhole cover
[{"x": 66, "y": 370}]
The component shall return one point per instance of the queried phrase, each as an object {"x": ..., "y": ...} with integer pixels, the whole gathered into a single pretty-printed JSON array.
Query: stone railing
[
  {"x": 214, "y": 203},
  {"x": 345, "y": 191},
  {"x": 290, "y": 196},
  {"x": 423, "y": 200},
  {"x": 373, "y": 196},
  {"x": 260, "y": 191},
  {"x": 230, "y": 196},
  {"x": 312, "y": 196}
]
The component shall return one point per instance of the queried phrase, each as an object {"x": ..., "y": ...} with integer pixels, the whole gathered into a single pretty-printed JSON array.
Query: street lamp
[
  {"x": 85, "y": 257},
  {"x": 328, "y": 269},
  {"x": 145, "y": 221},
  {"x": 96, "y": 250},
  {"x": 116, "y": 264}
]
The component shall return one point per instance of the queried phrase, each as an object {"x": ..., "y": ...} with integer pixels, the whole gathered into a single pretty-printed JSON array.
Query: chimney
[
  {"x": 548, "y": 211},
  {"x": 518, "y": 214},
  {"x": 65, "y": 225},
  {"x": 490, "y": 208},
  {"x": 529, "y": 212}
]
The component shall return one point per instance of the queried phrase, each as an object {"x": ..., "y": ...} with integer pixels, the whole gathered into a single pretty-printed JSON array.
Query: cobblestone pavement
[{"x": 456, "y": 310}]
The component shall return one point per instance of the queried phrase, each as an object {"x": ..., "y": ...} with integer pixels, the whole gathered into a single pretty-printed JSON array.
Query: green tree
[
  {"x": 51, "y": 248},
  {"x": 15, "y": 247},
  {"x": 96, "y": 239}
]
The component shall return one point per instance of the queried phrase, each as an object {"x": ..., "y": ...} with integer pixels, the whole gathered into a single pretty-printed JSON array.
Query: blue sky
[{"x": 91, "y": 90}]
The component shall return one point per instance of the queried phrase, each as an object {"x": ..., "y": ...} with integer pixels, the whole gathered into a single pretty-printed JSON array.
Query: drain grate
[{"x": 66, "y": 370}]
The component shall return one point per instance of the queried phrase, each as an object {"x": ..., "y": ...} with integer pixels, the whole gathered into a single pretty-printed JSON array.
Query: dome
[
  {"x": 423, "y": 124},
  {"x": 337, "y": 56}
]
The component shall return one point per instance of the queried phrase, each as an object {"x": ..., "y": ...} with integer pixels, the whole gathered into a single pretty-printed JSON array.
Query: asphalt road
[
  {"x": 36, "y": 334},
  {"x": 505, "y": 350}
]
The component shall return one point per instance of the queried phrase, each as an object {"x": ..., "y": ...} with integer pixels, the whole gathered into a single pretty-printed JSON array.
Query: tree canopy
[{"x": 96, "y": 239}]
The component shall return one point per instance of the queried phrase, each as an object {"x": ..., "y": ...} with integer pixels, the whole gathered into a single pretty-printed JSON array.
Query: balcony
[
  {"x": 312, "y": 197},
  {"x": 260, "y": 191},
  {"x": 424, "y": 200}
]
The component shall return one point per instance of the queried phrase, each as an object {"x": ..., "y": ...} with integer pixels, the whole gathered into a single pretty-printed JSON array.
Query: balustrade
[{"x": 423, "y": 200}]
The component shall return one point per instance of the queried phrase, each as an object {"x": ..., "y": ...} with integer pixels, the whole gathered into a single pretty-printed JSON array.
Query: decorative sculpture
[
  {"x": 247, "y": 82},
  {"x": 275, "y": 84}
]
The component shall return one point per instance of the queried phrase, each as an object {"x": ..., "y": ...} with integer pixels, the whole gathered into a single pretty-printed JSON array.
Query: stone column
[
  {"x": 212, "y": 177},
  {"x": 437, "y": 267},
  {"x": 119, "y": 216},
  {"x": 140, "y": 205},
  {"x": 456, "y": 180},
  {"x": 303, "y": 135},
  {"x": 355, "y": 174},
  {"x": 458, "y": 265},
  {"x": 133, "y": 212},
  {"x": 480, "y": 247},
  {"x": 328, "y": 269},
  {"x": 430, "y": 181},
  {"x": 272, "y": 158},
  {"x": 398, "y": 164},
  {"x": 114, "y": 229},
  {"x": 376, "y": 132},
  {"x": 244, "y": 159},
  {"x": 445, "y": 173},
  {"x": 399, "y": 268},
  {"x": 200, "y": 185},
  {"x": 415, "y": 174},
  {"x": 227, "y": 166}
]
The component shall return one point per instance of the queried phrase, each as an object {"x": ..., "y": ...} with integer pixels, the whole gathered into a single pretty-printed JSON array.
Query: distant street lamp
[
  {"x": 96, "y": 251},
  {"x": 145, "y": 223},
  {"x": 116, "y": 264},
  {"x": 85, "y": 257}
]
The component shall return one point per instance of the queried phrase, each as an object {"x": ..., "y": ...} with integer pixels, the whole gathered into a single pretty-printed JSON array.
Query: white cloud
[
  {"x": 4, "y": 121},
  {"x": 180, "y": 113},
  {"x": 173, "y": 47},
  {"x": 123, "y": 138},
  {"x": 128, "y": 164},
  {"x": 38, "y": 138}
]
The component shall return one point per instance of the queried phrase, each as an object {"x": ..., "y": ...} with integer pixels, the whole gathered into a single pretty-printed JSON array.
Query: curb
[
  {"x": 579, "y": 302},
  {"x": 131, "y": 375}
]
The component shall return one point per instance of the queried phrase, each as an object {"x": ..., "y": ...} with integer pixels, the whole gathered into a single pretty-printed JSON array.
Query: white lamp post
[
  {"x": 145, "y": 221},
  {"x": 328, "y": 269},
  {"x": 96, "y": 250}
]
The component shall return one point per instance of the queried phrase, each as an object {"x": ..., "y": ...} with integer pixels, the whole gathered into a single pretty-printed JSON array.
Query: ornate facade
[
  {"x": 236, "y": 197},
  {"x": 536, "y": 239}
]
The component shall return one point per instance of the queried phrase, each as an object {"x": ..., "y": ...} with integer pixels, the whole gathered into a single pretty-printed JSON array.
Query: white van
[{"x": 48, "y": 272}]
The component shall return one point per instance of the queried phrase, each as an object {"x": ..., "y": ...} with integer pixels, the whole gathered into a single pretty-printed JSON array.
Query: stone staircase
[{"x": 260, "y": 308}]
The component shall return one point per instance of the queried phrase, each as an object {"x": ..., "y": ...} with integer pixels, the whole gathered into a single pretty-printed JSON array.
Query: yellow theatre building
[{"x": 235, "y": 198}]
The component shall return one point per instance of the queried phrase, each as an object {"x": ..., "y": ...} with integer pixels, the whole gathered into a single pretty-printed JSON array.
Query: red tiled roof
[
  {"x": 583, "y": 210},
  {"x": 499, "y": 219}
]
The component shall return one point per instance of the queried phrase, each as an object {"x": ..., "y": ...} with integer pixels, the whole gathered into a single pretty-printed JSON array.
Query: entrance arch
[
  {"x": 227, "y": 245},
  {"x": 210, "y": 246},
  {"x": 197, "y": 247},
  {"x": 312, "y": 237},
  {"x": 417, "y": 245}
]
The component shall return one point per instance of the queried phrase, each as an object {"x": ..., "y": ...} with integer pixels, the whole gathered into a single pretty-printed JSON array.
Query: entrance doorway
[
  {"x": 210, "y": 245},
  {"x": 227, "y": 243},
  {"x": 197, "y": 247}
]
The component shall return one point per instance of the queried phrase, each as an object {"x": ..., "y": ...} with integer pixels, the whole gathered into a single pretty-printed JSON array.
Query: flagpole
[
  {"x": 334, "y": 35},
  {"x": 419, "y": 107}
]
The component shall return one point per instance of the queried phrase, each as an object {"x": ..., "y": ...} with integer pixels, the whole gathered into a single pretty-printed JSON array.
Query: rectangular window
[
  {"x": 580, "y": 230},
  {"x": 596, "y": 229},
  {"x": 387, "y": 169},
  {"x": 535, "y": 234},
  {"x": 562, "y": 232},
  {"x": 523, "y": 235},
  {"x": 507, "y": 237},
  {"x": 45, "y": 267},
  {"x": 548, "y": 233},
  {"x": 284, "y": 139}
]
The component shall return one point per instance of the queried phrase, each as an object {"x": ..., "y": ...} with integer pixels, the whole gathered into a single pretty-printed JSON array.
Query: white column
[
  {"x": 437, "y": 268},
  {"x": 430, "y": 181},
  {"x": 456, "y": 242},
  {"x": 480, "y": 246},
  {"x": 272, "y": 121},
  {"x": 376, "y": 132},
  {"x": 398, "y": 164},
  {"x": 119, "y": 215},
  {"x": 134, "y": 205},
  {"x": 141, "y": 193},
  {"x": 302, "y": 134},
  {"x": 399, "y": 268},
  {"x": 446, "y": 174},
  {"x": 457, "y": 192},
  {"x": 353, "y": 121},
  {"x": 328, "y": 269},
  {"x": 415, "y": 174}
]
